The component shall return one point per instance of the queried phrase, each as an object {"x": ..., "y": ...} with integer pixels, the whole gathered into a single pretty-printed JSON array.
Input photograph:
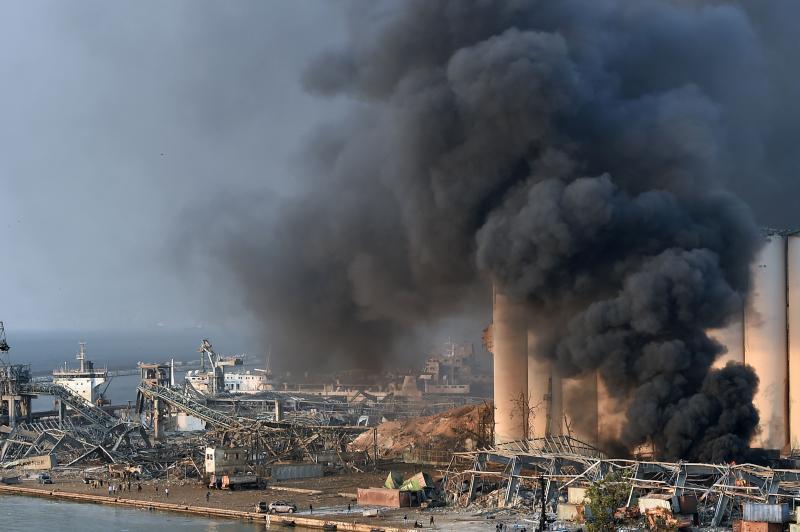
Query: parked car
[
  {"x": 282, "y": 507},
  {"x": 44, "y": 478},
  {"x": 261, "y": 507}
]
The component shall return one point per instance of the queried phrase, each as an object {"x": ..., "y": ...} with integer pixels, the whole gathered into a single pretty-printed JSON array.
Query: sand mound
[{"x": 459, "y": 429}]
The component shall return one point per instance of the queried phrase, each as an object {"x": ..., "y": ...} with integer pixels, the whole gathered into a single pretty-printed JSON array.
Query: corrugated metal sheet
[
  {"x": 292, "y": 471},
  {"x": 767, "y": 513}
]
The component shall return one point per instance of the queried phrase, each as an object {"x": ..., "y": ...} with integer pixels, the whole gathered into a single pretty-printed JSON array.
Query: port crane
[
  {"x": 216, "y": 371},
  {"x": 4, "y": 347}
]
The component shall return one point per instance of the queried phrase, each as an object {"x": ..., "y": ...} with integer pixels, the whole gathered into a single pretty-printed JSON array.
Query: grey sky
[
  {"x": 123, "y": 122},
  {"x": 120, "y": 121}
]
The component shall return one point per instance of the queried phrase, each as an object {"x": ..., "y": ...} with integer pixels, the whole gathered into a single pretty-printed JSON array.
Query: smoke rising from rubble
[{"x": 579, "y": 154}]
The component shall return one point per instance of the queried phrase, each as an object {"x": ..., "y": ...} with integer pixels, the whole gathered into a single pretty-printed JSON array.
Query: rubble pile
[
  {"x": 458, "y": 429},
  {"x": 549, "y": 473}
]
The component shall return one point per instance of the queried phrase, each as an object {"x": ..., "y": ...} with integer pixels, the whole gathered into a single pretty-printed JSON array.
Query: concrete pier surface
[{"x": 203, "y": 511}]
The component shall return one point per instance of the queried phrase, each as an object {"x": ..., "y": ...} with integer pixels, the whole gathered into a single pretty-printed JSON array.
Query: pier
[{"x": 201, "y": 511}]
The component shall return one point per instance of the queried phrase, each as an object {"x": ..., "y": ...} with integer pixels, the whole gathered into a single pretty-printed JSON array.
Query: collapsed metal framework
[
  {"x": 329, "y": 410},
  {"x": 563, "y": 462},
  {"x": 267, "y": 440}
]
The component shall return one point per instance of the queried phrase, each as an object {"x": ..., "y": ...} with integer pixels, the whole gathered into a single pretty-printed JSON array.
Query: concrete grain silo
[
  {"x": 732, "y": 337},
  {"x": 793, "y": 348},
  {"x": 544, "y": 394},
  {"x": 766, "y": 337},
  {"x": 610, "y": 414},
  {"x": 510, "y": 349},
  {"x": 765, "y": 342},
  {"x": 579, "y": 396}
]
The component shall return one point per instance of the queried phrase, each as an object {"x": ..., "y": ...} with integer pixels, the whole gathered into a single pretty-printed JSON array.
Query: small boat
[{"x": 328, "y": 526}]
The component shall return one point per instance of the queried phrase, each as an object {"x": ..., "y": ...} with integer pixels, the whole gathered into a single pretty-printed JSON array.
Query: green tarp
[
  {"x": 393, "y": 481},
  {"x": 418, "y": 482}
]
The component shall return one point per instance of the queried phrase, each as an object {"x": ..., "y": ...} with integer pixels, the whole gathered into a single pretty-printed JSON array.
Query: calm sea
[{"x": 31, "y": 514}]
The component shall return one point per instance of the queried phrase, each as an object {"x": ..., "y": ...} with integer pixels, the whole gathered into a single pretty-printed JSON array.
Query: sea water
[{"x": 32, "y": 514}]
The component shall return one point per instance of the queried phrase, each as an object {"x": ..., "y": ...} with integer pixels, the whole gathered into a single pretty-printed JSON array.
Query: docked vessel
[
  {"x": 85, "y": 380},
  {"x": 212, "y": 378},
  {"x": 241, "y": 382}
]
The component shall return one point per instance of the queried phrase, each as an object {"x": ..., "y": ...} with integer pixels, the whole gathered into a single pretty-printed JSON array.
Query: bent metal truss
[{"x": 562, "y": 462}]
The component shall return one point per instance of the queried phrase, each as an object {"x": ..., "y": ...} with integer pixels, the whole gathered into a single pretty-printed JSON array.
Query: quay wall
[{"x": 202, "y": 511}]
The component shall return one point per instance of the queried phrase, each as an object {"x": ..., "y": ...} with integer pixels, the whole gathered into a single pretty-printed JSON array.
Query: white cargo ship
[
  {"x": 212, "y": 377},
  {"x": 85, "y": 380},
  {"x": 247, "y": 382}
]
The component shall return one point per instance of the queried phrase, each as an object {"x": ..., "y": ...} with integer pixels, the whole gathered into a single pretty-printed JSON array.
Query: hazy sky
[
  {"x": 124, "y": 122},
  {"x": 121, "y": 123}
]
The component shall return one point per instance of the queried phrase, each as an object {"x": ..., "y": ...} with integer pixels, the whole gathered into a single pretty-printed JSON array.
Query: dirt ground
[{"x": 331, "y": 503}]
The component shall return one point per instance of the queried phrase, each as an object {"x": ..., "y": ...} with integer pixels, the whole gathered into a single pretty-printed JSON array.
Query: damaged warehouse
[{"x": 560, "y": 472}]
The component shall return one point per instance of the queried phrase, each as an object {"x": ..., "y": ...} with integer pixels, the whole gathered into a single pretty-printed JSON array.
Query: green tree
[{"x": 605, "y": 496}]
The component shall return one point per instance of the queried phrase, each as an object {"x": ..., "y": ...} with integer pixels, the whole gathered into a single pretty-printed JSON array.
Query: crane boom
[{"x": 4, "y": 347}]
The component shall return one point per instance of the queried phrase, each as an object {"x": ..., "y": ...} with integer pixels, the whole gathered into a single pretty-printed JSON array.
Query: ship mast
[{"x": 81, "y": 356}]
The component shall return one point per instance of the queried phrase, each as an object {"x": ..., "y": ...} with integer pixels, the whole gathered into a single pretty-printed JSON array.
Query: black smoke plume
[{"x": 580, "y": 154}]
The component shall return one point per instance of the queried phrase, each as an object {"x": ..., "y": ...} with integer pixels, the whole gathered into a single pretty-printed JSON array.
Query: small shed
[{"x": 225, "y": 460}]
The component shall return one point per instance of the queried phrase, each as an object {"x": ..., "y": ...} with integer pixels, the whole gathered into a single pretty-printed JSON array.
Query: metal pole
[
  {"x": 543, "y": 500},
  {"x": 375, "y": 444}
]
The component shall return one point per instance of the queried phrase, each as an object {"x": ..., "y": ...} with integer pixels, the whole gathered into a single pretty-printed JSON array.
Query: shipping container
[
  {"x": 687, "y": 504},
  {"x": 767, "y": 513},
  {"x": 761, "y": 526},
  {"x": 386, "y": 497}
]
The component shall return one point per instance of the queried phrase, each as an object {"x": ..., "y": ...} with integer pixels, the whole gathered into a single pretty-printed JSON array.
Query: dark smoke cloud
[{"x": 579, "y": 154}]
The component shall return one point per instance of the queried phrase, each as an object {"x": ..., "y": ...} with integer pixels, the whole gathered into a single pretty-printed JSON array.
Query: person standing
[
  {"x": 311, "y": 509},
  {"x": 208, "y": 495},
  {"x": 166, "y": 493},
  {"x": 431, "y": 521}
]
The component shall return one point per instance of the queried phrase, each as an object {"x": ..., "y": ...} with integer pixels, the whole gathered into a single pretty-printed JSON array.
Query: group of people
[
  {"x": 114, "y": 489},
  {"x": 417, "y": 524}
]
